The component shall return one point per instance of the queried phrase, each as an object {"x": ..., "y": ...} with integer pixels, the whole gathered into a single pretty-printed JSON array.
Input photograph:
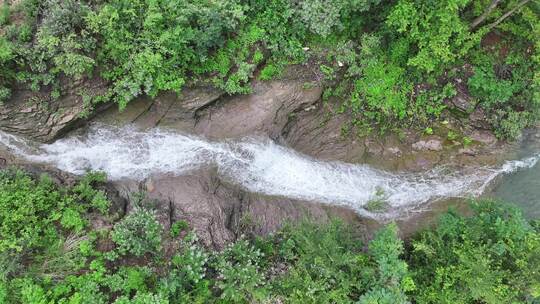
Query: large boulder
[{"x": 219, "y": 212}]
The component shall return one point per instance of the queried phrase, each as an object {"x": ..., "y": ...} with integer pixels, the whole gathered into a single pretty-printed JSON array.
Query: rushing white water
[{"x": 258, "y": 165}]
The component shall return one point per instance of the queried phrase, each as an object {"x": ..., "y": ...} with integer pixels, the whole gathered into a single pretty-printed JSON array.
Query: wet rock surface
[
  {"x": 37, "y": 116},
  {"x": 219, "y": 212},
  {"x": 291, "y": 115},
  {"x": 210, "y": 113},
  {"x": 285, "y": 111}
]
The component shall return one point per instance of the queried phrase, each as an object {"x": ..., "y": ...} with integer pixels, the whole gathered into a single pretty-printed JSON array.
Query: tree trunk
[
  {"x": 485, "y": 14},
  {"x": 508, "y": 14}
]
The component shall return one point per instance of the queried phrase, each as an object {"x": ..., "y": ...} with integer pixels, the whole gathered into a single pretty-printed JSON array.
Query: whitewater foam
[{"x": 257, "y": 164}]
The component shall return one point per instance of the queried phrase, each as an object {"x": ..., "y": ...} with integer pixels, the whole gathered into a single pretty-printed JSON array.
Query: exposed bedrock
[
  {"x": 288, "y": 112},
  {"x": 38, "y": 116}
]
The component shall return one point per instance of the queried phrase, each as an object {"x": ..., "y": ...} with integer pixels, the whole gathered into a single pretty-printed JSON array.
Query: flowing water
[
  {"x": 258, "y": 165},
  {"x": 522, "y": 187}
]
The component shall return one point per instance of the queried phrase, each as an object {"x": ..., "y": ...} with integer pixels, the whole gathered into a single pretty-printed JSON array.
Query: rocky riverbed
[{"x": 288, "y": 112}]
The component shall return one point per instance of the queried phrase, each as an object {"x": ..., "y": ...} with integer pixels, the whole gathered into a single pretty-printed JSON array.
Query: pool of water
[{"x": 522, "y": 187}]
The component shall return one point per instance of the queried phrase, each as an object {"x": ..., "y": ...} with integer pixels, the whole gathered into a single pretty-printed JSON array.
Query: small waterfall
[{"x": 258, "y": 165}]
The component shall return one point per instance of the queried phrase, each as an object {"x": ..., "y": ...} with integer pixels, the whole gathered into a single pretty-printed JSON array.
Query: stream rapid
[{"x": 258, "y": 165}]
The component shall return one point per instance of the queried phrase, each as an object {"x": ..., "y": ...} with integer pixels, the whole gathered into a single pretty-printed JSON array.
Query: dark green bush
[
  {"x": 144, "y": 47},
  {"x": 150, "y": 46},
  {"x": 138, "y": 233},
  {"x": 327, "y": 17},
  {"x": 5, "y": 13},
  {"x": 489, "y": 257},
  {"x": 502, "y": 87},
  {"x": 6, "y": 74}
]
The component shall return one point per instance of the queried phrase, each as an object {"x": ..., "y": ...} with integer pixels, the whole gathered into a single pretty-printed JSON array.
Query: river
[{"x": 261, "y": 166}]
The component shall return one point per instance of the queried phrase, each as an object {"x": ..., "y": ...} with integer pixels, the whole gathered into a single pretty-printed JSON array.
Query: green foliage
[
  {"x": 269, "y": 72},
  {"x": 380, "y": 95},
  {"x": 400, "y": 74},
  {"x": 44, "y": 224},
  {"x": 5, "y": 13},
  {"x": 142, "y": 298},
  {"x": 58, "y": 45},
  {"x": 502, "y": 87},
  {"x": 63, "y": 17},
  {"x": 86, "y": 190},
  {"x": 467, "y": 141},
  {"x": 240, "y": 279},
  {"x": 392, "y": 278},
  {"x": 436, "y": 29},
  {"x": 429, "y": 104},
  {"x": 491, "y": 257},
  {"x": 187, "y": 281},
  {"x": 325, "y": 17},
  {"x": 328, "y": 266},
  {"x": 509, "y": 124},
  {"x": 6, "y": 74},
  {"x": 138, "y": 233},
  {"x": 149, "y": 46},
  {"x": 378, "y": 202},
  {"x": 178, "y": 227},
  {"x": 484, "y": 84},
  {"x": 29, "y": 211}
]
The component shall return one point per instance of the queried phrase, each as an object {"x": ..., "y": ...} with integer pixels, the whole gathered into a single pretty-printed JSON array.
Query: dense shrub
[
  {"x": 436, "y": 29},
  {"x": 502, "y": 87},
  {"x": 60, "y": 45},
  {"x": 29, "y": 211},
  {"x": 149, "y": 46},
  {"x": 63, "y": 17},
  {"x": 6, "y": 74},
  {"x": 489, "y": 257},
  {"x": 327, "y": 17},
  {"x": 138, "y": 233},
  {"x": 240, "y": 279},
  {"x": 381, "y": 94},
  {"x": 328, "y": 266},
  {"x": 41, "y": 233},
  {"x": 4, "y": 14}
]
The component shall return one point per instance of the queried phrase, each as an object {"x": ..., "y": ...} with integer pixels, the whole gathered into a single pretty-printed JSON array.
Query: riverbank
[
  {"x": 223, "y": 188},
  {"x": 76, "y": 244},
  {"x": 201, "y": 168}
]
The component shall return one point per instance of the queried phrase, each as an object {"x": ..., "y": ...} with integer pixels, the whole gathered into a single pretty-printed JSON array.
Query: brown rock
[
  {"x": 467, "y": 151},
  {"x": 431, "y": 145},
  {"x": 484, "y": 136},
  {"x": 395, "y": 151},
  {"x": 463, "y": 102},
  {"x": 373, "y": 147},
  {"x": 46, "y": 119},
  {"x": 219, "y": 212}
]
